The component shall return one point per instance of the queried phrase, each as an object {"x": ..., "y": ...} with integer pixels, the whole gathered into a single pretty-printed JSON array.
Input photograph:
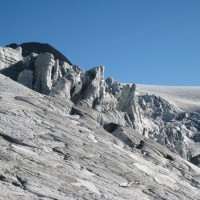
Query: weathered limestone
[
  {"x": 56, "y": 73},
  {"x": 107, "y": 101},
  {"x": 52, "y": 149},
  {"x": 67, "y": 86},
  {"x": 9, "y": 56},
  {"x": 26, "y": 78},
  {"x": 62, "y": 89},
  {"x": 99, "y": 139},
  {"x": 42, "y": 73},
  {"x": 93, "y": 89},
  {"x": 128, "y": 103}
]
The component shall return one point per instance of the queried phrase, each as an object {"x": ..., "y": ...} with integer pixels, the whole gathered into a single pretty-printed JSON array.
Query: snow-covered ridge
[{"x": 185, "y": 97}]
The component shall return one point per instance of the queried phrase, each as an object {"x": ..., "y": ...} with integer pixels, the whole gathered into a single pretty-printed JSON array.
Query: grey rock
[
  {"x": 26, "y": 78},
  {"x": 56, "y": 73},
  {"x": 62, "y": 89},
  {"x": 93, "y": 89},
  {"x": 42, "y": 73},
  {"x": 128, "y": 103},
  {"x": 65, "y": 67},
  {"x": 47, "y": 152},
  {"x": 104, "y": 133},
  {"x": 196, "y": 160},
  {"x": 9, "y": 56},
  {"x": 110, "y": 101}
]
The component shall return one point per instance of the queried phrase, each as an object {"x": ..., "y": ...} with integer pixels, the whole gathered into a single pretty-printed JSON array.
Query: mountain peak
[
  {"x": 98, "y": 138},
  {"x": 38, "y": 48}
]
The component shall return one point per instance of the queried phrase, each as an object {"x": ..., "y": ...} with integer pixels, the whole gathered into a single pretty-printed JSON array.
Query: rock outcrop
[
  {"x": 9, "y": 56},
  {"x": 112, "y": 102},
  {"x": 106, "y": 100},
  {"x": 26, "y": 78},
  {"x": 80, "y": 136},
  {"x": 42, "y": 73},
  {"x": 53, "y": 149}
]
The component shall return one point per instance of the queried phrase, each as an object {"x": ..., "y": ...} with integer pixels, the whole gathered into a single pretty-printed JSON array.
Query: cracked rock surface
[
  {"x": 49, "y": 153},
  {"x": 70, "y": 134}
]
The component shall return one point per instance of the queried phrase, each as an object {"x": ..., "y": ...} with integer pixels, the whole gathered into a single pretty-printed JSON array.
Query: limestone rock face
[
  {"x": 53, "y": 149},
  {"x": 68, "y": 85},
  {"x": 128, "y": 103},
  {"x": 99, "y": 139},
  {"x": 26, "y": 78},
  {"x": 62, "y": 89},
  {"x": 93, "y": 89},
  {"x": 56, "y": 73},
  {"x": 9, "y": 56},
  {"x": 42, "y": 73},
  {"x": 106, "y": 101}
]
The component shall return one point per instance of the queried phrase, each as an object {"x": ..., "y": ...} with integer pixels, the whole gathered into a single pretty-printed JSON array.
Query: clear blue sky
[{"x": 140, "y": 41}]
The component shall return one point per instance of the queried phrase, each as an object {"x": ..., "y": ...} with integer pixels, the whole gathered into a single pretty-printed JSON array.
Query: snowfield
[{"x": 185, "y": 97}]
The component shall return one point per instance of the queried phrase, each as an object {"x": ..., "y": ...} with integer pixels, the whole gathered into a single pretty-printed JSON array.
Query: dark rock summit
[{"x": 36, "y": 47}]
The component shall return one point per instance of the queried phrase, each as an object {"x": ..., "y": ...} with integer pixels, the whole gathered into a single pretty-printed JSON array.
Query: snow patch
[{"x": 185, "y": 97}]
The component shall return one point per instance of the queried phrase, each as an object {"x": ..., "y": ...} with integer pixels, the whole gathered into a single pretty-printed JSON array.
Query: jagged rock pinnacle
[{"x": 92, "y": 134}]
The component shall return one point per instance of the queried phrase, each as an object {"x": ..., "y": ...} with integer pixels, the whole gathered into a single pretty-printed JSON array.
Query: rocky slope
[
  {"x": 9, "y": 56},
  {"x": 80, "y": 136}
]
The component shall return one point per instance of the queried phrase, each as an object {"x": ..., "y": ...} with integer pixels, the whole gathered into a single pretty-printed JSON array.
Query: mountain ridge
[
  {"x": 106, "y": 134},
  {"x": 38, "y": 48}
]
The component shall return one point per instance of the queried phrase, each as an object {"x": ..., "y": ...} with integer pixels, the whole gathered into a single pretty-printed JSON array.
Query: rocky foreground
[{"x": 70, "y": 134}]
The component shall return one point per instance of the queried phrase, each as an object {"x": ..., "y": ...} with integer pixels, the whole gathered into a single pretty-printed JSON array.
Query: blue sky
[{"x": 140, "y": 41}]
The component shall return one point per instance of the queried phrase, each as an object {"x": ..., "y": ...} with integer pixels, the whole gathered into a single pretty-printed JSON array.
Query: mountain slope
[
  {"x": 46, "y": 153},
  {"x": 70, "y": 134}
]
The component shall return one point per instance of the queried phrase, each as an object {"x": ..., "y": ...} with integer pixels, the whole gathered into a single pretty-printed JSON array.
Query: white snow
[{"x": 185, "y": 97}]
